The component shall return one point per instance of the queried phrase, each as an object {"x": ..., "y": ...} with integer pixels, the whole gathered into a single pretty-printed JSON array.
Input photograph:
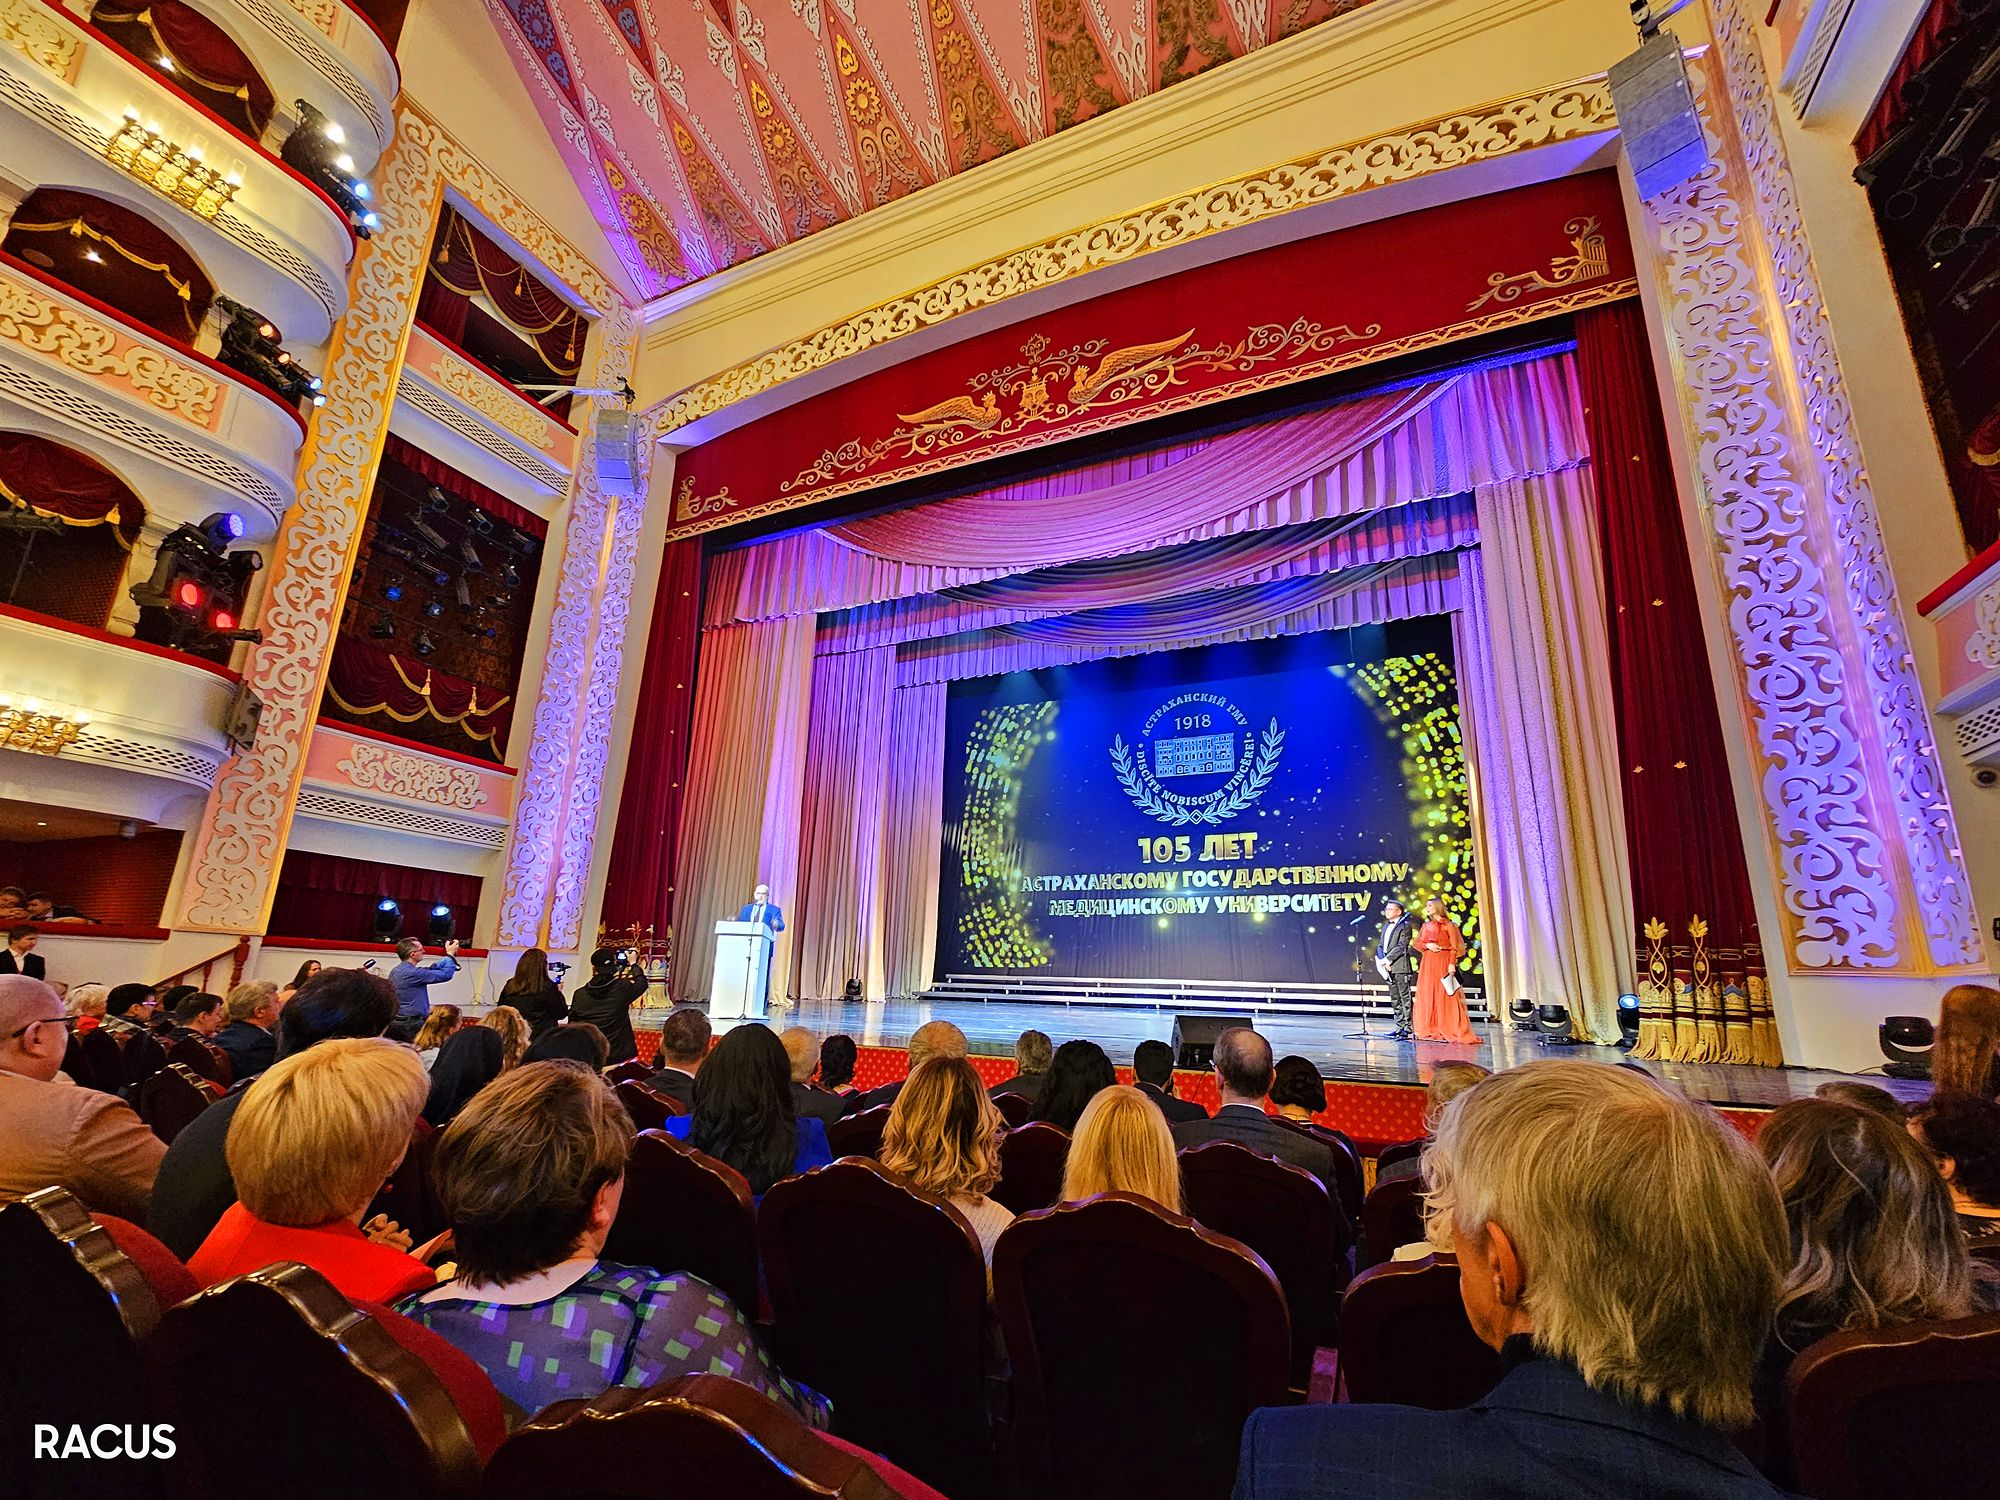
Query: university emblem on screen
[{"x": 1197, "y": 759}]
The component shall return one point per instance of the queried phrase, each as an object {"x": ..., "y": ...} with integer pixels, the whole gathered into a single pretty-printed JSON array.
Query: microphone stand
[{"x": 1364, "y": 1035}]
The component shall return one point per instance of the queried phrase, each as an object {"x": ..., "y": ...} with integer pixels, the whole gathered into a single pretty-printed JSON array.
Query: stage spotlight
[
  {"x": 221, "y": 528},
  {"x": 425, "y": 646},
  {"x": 464, "y": 595},
  {"x": 1628, "y": 1020},
  {"x": 433, "y": 609},
  {"x": 430, "y": 533},
  {"x": 522, "y": 543},
  {"x": 442, "y": 924},
  {"x": 1907, "y": 1042},
  {"x": 384, "y": 628},
  {"x": 1522, "y": 1014},
  {"x": 512, "y": 577},
  {"x": 481, "y": 522},
  {"x": 438, "y": 501},
  {"x": 392, "y": 592},
  {"x": 388, "y": 920},
  {"x": 1552, "y": 1021},
  {"x": 473, "y": 562}
]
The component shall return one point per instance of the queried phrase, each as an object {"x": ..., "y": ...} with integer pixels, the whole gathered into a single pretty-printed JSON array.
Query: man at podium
[{"x": 762, "y": 909}]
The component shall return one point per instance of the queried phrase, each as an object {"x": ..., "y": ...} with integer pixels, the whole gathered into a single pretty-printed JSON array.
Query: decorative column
[
  {"x": 1861, "y": 831},
  {"x": 240, "y": 842}
]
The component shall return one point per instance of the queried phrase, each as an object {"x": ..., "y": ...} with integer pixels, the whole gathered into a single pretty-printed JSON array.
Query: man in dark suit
[
  {"x": 684, "y": 1038},
  {"x": 18, "y": 956},
  {"x": 802, "y": 1050},
  {"x": 1652, "y": 1414},
  {"x": 252, "y": 1009},
  {"x": 1033, "y": 1052},
  {"x": 1396, "y": 962},
  {"x": 1153, "y": 1068},
  {"x": 932, "y": 1039}
]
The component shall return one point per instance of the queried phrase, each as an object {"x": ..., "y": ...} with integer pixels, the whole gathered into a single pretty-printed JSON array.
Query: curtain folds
[
  {"x": 471, "y": 265},
  {"x": 445, "y": 477},
  {"x": 913, "y": 842},
  {"x": 50, "y": 479},
  {"x": 206, "y": 60},
  {"x": 385, "y": 691},
  {"x": 841, "y": 833}
]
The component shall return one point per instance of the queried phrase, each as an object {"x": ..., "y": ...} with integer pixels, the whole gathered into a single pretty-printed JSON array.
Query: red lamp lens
[
  {"x": 189, "y": 595},
  {"x": 222, "y": 619}
]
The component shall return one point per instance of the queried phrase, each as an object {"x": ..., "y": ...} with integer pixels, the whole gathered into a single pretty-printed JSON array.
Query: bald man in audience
[
  {"x": 932, "y": 1039},
  {"x": 54, "y": 1133}
]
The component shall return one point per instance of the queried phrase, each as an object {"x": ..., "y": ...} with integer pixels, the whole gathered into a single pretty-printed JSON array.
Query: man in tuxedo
[
  {"x": 1396, "y": 961},
  {"x": 1153, "y": 1069},
  {"x": 684, "y": 1038},
  {"x": 802, "y": 1051},
  {"x": 19, "y": 957},
  {"x": 932, "y": 1039},
  {"x": 1243, "y": 1073}
]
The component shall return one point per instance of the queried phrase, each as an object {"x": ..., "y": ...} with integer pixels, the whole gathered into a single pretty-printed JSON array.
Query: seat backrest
[
  {"x": 276, "y": 1375},
  {"x": 1904, "y": 1411},
  {"x": 878, "y": 1293},
  {"x": 859, "y": 1134},
  {"x": 1404, "y": 1338},
  {"x": 205, "y": 1058},
  {"x": 1346, "y": 1162},
  {"x": 632, "y": 1070},
  {"x": 1031, "y": 1166},
  {"x": 170, "y": 1280},
  {"x": 1096, "y": 1300},
  {"x": 1393, "y": 1215},
  {"x": 143, "y": 1057},
  {"x": 410, "y": 1196},
  {"x": 1282, "y": 1213},
  {"x": 172, "y": 1097},
  {"x": 693, "y": 1435},
  {"x": 1015, "y": 1109},
  {"x": 686, "y": 1211},
  {"x": 104, "y": 1058},
  {"x": 73, "y": 1311},
  {"x": 1388, "y": 1156},
  {"x": 649, "y": 1109}
]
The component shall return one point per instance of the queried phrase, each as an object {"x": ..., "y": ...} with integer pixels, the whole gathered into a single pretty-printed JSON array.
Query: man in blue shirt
[{"x": 413, "y": 981}]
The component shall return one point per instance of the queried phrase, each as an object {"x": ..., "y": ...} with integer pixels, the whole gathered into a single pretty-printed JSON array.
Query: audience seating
[
  {"x": 74, "y": 1309},
  {"x": 76, "y": 1061},
  {"x": 357, "y": 1410},
  {"x": 1404, "y": 1338},
  {"x": 1904, "y": 1411},
  {"x": 1346, "y": 1162},
  {"x": 1392, "y": 1215},
  {"x": 104, "y": 1058},
  {"x": 1388, "y": 1156},
  {"x": 1140, "y": 1342},
  {"x": 204, "y": 1058},
  {"x": 858, "y": 1134},
  {"x": 685, "y": 1211},
  {"x": 1031, "y": 1166},
  {"x": 172, "y": 1097},
  {"x": 879, "y": 1298},
  {"x": 141, "y": 1057},
  {"x": 632, "y": 1070},
  {"x": 1014, "y": 1109},
  {"x": 408, "y": 1196},
  {"x": 1282, "y": 1213},
  {"x": 649, "y": 1110}
]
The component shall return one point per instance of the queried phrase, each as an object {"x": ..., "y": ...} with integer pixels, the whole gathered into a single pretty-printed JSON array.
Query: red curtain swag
[
  {"x": 469, "y": 264},
  {"x": 1925, "y": 44},
  {"x": 138, "y": 267},
  {"x": 51, "y": 480},
  {"x": 334, "y": 896},
  {"x": 373, "y": 685},
  {"x": 204, "y": 59}
]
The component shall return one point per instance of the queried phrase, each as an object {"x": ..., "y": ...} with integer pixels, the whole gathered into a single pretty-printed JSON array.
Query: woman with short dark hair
[
  {"x": 1076, "y": 1073},
  {"x": 743, "y": 1113},
  {"x": 573, "y": 1041},
  {"x": 1298, "y": 1090},
  {"x": 1962, "y": 1132}
]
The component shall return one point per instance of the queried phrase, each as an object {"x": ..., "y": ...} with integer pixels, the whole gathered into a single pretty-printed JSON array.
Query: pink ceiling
[{"x": 708, "y": 131}]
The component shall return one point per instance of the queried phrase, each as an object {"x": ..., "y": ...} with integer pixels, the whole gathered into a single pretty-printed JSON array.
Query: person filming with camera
[{"x": 616, "y": 983}]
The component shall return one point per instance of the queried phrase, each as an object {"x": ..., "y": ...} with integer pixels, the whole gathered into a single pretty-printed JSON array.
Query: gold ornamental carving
[
  {"x": 28, "y": 28},
  {"x": 1591, "y": 262},
  {"x": 479, "y": 391},
  {"x": 319, "y": 13},
  {"x": 1492, "y": 131},
  {"x": 81, "y": 343}
]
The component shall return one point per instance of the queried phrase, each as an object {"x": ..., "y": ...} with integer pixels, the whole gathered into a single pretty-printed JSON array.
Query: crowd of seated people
[{"x": 1562, "y": 1188}]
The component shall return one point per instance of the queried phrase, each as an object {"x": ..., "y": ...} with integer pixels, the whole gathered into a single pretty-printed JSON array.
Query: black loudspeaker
[{"x": 1194, "y": 1038}]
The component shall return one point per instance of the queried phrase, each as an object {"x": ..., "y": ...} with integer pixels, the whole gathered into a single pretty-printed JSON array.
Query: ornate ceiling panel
[{"x": 709, "y": 131}]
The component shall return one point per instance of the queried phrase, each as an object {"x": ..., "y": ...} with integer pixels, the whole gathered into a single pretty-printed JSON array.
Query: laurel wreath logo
[{"x": 1227, "y": 805}]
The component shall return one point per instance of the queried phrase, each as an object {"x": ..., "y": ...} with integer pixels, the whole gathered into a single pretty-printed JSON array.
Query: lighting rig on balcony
[
  {"x": 194, "y": 599},
  {"x": 141, "y": 151},
  {"x": 250, "y": 346},
  {"x": 317, "y": 147},
  {"x": 35, "y": 727}
]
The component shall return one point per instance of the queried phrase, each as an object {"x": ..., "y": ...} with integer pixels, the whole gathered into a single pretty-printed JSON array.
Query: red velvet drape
[
  {"x": 639, "y": 887},
  {"x": 52, "y": 480},
  {"x": 138, "y": 268},
  {"x": 1680, "y": 809},
  {"x": 334, "y": 896},
  {"x": 468, "y": 263},
  {"x": 445, "y": 477},
  {"x": 205, "y": 60},
  {"x": 1891, "y": 106},
  {"x": 382, "y": 690}
]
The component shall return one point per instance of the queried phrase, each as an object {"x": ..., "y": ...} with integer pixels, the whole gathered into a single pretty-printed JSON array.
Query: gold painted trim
[{"x": 1484, "y": 132}]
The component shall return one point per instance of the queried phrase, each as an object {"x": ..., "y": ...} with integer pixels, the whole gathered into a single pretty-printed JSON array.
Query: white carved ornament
[
  {"x": 36, "y": 321},
  {"x": 396, "y": 773}
]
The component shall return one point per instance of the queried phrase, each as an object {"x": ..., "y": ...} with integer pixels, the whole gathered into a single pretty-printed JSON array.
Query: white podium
[{"x": 742, "y": 969}]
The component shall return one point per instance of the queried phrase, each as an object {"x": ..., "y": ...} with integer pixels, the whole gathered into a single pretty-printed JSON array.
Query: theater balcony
[
  {"x": 87, "y": 116},
  {"x": 450, "y": 403},
  {"x": 1964, "y": 612}
]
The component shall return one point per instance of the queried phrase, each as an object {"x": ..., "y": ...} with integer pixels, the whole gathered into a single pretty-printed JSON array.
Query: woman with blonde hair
[
  {"x": 1122, "y": 1145},
  {"x": 943, "y": 1137},
  {"x": 1966, "y": 1057},
  {"x": 513, "y": 1029},
  {"x": 438, "y": 1025}
]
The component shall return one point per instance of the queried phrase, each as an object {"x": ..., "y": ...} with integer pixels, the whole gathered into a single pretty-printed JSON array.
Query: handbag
[{"x": 1451, "y": 984}]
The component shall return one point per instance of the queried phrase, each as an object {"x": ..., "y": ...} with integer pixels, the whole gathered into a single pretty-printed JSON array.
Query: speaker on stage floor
[{"x": 1194, "y": 1038}]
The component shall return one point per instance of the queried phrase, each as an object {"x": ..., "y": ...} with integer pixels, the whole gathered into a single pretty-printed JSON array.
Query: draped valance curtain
[
  {"x": 383, "y": 690},
  {"x": 466, "y": 263},
  {"x": 205, "y": 59},
  {"x": 116, "y": 255},
  {"x": 445, "y": 477},
  {"x": 51, "y": 480}
]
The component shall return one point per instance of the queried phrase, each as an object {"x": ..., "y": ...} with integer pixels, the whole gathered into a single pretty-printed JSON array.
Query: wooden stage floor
[{"x": 991, "y": 1026}]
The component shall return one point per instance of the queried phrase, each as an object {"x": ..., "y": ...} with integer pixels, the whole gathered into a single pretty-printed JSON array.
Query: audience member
[
  {"x": 1243, "y": 1075},
  {"x": 1297, "y": 1091},
  {"x": 13, "y": 905},
  {"x": 311, "y": 1144},
  {"x": 837, "y": 1056},
  {"x": 1123, "y": 1145},
  {"x": 470, "y": 1058},
  {"x": 684, "y": 1039},
  {"x": 86, "y": 1004},
  {"x": 253, "y": 1011},
  {"x": 1865, "y": 1096},
  {"x": 1153, "y": 1070},
  {"x": 53, "y": 1133},
  {"x": 195, "y": 1188},
  {"x": 743, "y": 1114},
  {"x": 513, "y": 1030},
  {"x": 1033, "y": 1052},
  {"x": 413, "y": 980},
  {"x": 1448, "y": 1081},
  {"x": 19, "y": 957},
  {"x": 166, "y": 997},
  {"x": 530, "y": 1177},
  {"x": 1966, "y": 1056},
  {"x": 802, "y": 1051},
  {"x": 1077, "y": 1073},
  {"x": 304, "y": 972},
  {"x": 573, "y": 1041},
  {"x": 1962, "y": 1132},
  {"x": 606, "y": 1001},
  {"x": 943, "y": 1137},
  {"x": 200, "y": 1015},
  {"x": 42, "y": 907},
  {"x": 535, "y": 995},
  {"x": 130, "y": 1006},
  {"x": 442, "y": 1021},
  {"x": 1579, "y": 1197},
  {"x": 932, "y": 1039}
]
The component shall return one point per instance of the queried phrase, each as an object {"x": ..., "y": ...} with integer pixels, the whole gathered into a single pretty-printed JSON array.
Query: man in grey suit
[
  {"x": 1396, "y": 961},
  {"x": 1243, "y": 1073}
]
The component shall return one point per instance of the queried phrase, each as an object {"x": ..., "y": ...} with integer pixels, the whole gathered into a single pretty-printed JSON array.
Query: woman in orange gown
[{"x": 1440, "y": 1017}]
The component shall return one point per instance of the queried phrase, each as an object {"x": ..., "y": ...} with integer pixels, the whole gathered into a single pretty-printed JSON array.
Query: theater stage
[{"x": 991, "y": 1026}]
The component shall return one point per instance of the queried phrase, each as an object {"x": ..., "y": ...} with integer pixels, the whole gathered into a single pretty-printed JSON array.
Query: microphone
[{"x": 1357, "y": 921}]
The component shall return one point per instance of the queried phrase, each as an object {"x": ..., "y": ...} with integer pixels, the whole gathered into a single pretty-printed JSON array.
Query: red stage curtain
[
  {"x": 1680, "y": 810},
  {"x": 206, "y": 62},
  {"x": 470, "y": 264},
  {"x": 639, "y": 888},
  {"x": 333, "y": 896},
  {"x": 140, "y": 269},
  {"x": 52, "y": 480},
  {"x": 446, "y": 478},
  {"x": 1891, "y": 107},
  {"x": 382, "y": 690}
]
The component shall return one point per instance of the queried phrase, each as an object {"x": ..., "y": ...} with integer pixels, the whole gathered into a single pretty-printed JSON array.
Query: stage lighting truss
[{"x": 251, "y": 345}]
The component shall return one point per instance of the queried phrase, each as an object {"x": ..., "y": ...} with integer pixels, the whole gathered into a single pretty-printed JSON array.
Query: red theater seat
[
  {"x": 649, "y": 1110},
  {"x": 1031, "y": 1166},
  {"x": 1404, "y": 1338},
  {"x": 859, "y": 1134},
  {"x": 685, "y": 1211},
  {"x": 1392, "y": 1216}
]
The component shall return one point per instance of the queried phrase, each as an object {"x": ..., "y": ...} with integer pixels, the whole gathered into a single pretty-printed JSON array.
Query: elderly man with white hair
[
  {"x": 53, "y": 1133},
  {"x": 1623, "y": 1250}
]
